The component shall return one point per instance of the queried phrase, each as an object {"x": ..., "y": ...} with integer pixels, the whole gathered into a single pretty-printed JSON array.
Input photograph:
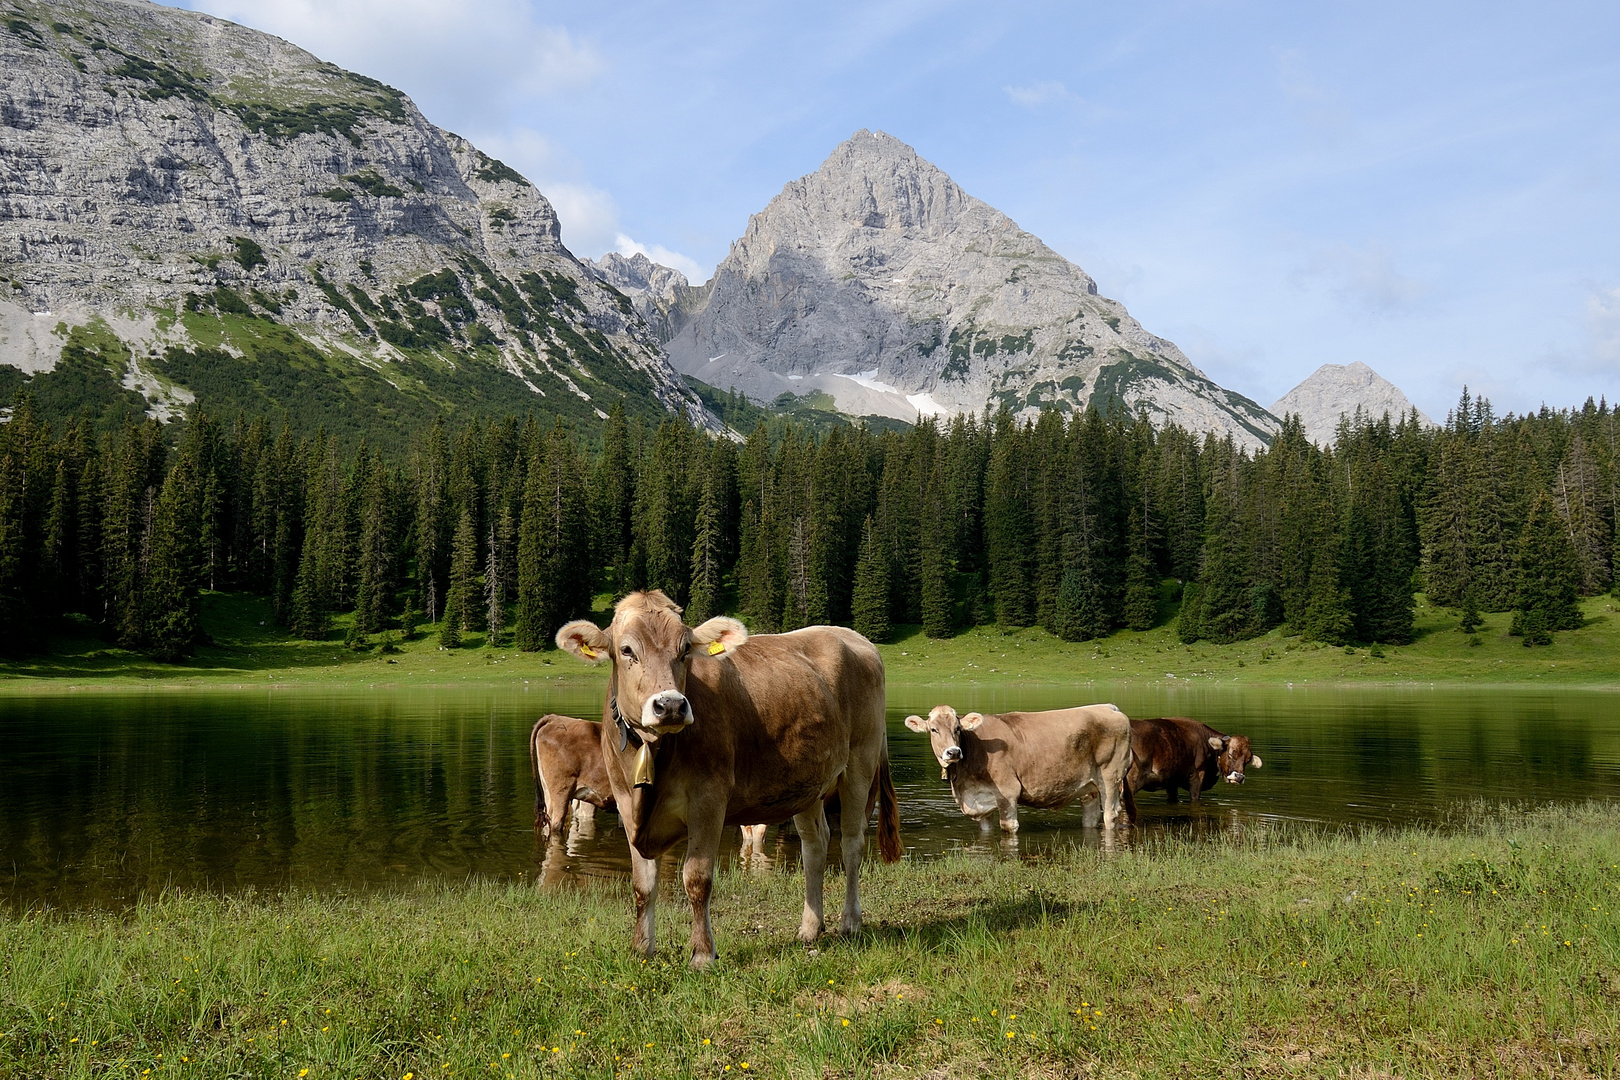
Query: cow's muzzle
[
  {"x": 1234, "y": 778},
  {"x": 666, "y": 712},
  {"x": 951, "y": 755}
]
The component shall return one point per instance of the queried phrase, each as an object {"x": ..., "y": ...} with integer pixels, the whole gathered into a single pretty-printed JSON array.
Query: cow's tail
[
  {"x": 1130, "y": 799},
  {"x": 889, "y": 845}
]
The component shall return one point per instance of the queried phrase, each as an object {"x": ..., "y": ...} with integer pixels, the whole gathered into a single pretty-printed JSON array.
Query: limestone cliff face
[
  {"x": 660, "y": 295},
  {"x": 161, "y": 170},
  {"x": 1337, "y": 391},
  {"x": 879, "y": 281}
]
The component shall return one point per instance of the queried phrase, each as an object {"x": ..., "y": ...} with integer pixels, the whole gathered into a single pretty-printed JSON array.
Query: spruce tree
[
  {"x": 1009, "y": 524},
  {"x": 706, "y": 548},
  {"x": 1471, "y": 619},
  {"x": 494, "y": 609},
  {"x": 1327, "y": 612},
  {"x": 871, "y": 600},
  {"x": 554, "y": 572},
  {"x": 1188, "y": 627},
  {"x": 375, "y": 560},
  {"x": 307, "y": 616},
  {"x": 935, "y": 581},
  {"x": 1549, "y": 573},
  {"x": 1141, "y": 581},
  {"x": 174, "y": 568},
  {"x": 461, "y": 600}
]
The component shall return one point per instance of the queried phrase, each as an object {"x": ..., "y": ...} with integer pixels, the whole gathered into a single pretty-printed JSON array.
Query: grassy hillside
[
  {"x": 1492, "y": 949},
  {"x": 246, "y": 647}
]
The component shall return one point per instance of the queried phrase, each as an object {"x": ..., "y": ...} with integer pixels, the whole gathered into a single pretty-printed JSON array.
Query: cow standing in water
[
  {"x": 1041, "y": 759},
  {"x": 565, "y": 758},
  {"x": 707, "y": 727},
  {"x": 1175, "y": 752}
]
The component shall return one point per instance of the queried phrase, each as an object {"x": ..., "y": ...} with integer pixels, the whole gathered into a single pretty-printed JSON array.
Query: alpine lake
[{"x": 109, "y": 797}]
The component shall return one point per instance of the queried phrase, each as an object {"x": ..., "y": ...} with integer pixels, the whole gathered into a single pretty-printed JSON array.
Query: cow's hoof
[
  {"x": 809, "y": 931},
  {"x": 850, "y": 926},
  {"x": 704, "y": 961}
]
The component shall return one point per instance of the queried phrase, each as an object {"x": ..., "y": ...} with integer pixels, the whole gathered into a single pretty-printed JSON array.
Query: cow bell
[
  {"x": 944, "y": 772},
  {"x": 644, "y": 766}
]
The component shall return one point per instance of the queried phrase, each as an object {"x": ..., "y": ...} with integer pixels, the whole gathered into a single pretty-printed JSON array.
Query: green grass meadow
[
  {"x": 1489, "y": 948},
  {"x": 246, "y": 648}
]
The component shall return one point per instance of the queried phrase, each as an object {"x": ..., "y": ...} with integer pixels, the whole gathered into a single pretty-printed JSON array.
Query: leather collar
[{"x": 627, "y": 734}]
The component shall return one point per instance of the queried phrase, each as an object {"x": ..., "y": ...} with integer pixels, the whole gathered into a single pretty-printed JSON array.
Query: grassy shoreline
[
  {"x": 248, "y": 650},
  {"x": 1490, "y": 948}
]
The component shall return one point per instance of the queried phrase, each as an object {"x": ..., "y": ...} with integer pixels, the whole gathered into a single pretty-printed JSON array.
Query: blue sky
[{"x": 1432, "y": 189}]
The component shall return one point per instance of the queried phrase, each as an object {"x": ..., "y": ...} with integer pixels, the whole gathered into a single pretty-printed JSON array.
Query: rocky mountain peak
[
  {"x": 1337, "y": 391},
  {"x": 224, "y": 215},
  {"x": 877, "y": 282}
]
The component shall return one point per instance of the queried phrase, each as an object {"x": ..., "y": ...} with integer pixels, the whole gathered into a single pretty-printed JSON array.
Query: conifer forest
[{"x": 1083, "y": 524}]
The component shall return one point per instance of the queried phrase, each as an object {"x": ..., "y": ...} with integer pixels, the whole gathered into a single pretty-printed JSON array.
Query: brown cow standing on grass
[
  {"x": 565, "y": 758},
  {"x": 1040, "y": 759},
  {"x": 1175, "y": 752},
  {"x": 707, "y": 727}
]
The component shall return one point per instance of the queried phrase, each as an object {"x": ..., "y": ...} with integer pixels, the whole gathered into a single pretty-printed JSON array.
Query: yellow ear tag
[
  {"x": 590, "y": 653},
  {"x": 716, "y": 648}
]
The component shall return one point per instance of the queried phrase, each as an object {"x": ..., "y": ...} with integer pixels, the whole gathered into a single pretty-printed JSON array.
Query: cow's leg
[
  {"x": 1091, "y": 811},
  {"x": 1111, "y": 797},
  {"x": 697, "y": 874},
  {"x": 1195, "y": 784},
  {"x": 1009, "y": 816},
  {"x": 644, "y": 883},
  {"x": 853, "y": 790},
  {"x": 812, "y": 826}
]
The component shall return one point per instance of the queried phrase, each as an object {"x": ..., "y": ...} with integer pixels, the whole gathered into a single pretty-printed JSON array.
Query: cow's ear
[
  {"x": 971, "y": 721},
  {"x": 1254, "y": 761},
  {"x": 1216, "y": 744},
  {"x": 585, "y": 640},
  {"x": 720, "y": 635},
  {"x": 916, "y": 723}
]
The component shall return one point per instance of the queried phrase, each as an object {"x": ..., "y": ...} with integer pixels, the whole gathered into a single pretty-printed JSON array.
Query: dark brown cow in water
[
  {"x": 1174, "y": 752},
  {"x": 1041, "y": 759},
  {"x": 565, "y": 758},
  {"x": 706, "y": 727}
]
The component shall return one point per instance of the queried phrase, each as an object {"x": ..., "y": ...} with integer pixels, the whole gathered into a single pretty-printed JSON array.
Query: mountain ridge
[
  {"x": 879, "y": 281},
  {"x": 233, "y": 198}
]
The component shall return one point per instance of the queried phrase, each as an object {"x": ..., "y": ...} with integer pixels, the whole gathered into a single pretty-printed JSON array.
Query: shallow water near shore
[{"x": 104, "y": 798}]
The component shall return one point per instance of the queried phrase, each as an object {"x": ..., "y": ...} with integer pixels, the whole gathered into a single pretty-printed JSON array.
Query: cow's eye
[{"x": 627, "y": 652}]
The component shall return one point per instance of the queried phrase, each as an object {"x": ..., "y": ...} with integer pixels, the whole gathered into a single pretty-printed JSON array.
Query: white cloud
[
  {"x": 1038, "y": 94},
  {"x": 1603, "y": 329},
  {"x": 1367, "y": 278},
  {"x": 695, "y": 274},
  {"x": 588, "y": 215},
  {"x": 470, "y": 57},
  {"x": 1320, "y": 112}
]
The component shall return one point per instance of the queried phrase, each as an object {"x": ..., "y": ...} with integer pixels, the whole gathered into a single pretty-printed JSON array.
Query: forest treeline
[{"x": 1081, "y": 524}]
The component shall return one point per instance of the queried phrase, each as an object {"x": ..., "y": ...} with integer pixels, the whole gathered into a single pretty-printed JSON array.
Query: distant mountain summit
[
  {"x": 1336, "y": 391},
  {"x": 877, "y": 281},
  {"x": 193, "y": 209}
]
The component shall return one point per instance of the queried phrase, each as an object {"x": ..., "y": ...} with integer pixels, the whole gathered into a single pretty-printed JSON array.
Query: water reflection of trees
[{"x": 105, "y": 797}]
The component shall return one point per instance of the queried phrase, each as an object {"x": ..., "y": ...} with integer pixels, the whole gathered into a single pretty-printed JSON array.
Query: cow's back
[
  {"x": 1169, "y": 749},
  {"x": 780, "y": 717},
  {"x": 1053, "y": 752}
]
